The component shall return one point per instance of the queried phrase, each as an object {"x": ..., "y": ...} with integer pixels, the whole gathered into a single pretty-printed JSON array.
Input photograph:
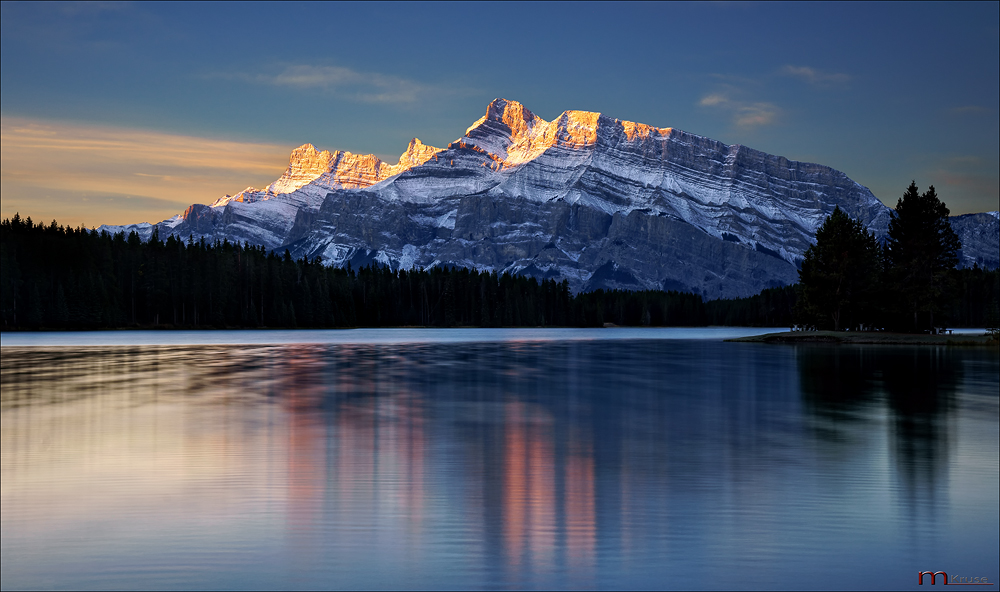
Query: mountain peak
[
  {"x": 305, "y": 164},
  {"x": 512, "y": 114},
  {"x": 514, "y": 135},
  {"x": 306, "y": 150},
  {"x": 506, "y": 113},
  {"x": 417, "y": 153}
]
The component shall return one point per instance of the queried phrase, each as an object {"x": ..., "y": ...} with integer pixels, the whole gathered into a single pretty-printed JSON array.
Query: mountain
[
  {"x": 978, "y": 233},
  {"x": 599, "y": 202}
]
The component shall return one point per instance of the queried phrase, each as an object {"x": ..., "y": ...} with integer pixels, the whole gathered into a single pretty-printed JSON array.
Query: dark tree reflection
[
  {"x": 837, "y": 382},
  {"x": 920, "y": 386},
  {"x": 844, "y": 385}
]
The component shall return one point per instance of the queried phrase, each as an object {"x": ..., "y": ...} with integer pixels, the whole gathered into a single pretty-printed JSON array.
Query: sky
[{"x": 116, "y": 113}]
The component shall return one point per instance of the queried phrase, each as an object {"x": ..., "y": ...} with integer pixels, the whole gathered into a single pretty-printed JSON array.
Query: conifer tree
[
  {"x": 839, "y": 274},
  {"x": 921, "y": 250}
]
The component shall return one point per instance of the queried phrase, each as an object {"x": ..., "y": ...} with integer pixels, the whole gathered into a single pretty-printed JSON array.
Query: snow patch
[{"x": 408, "y": 257}]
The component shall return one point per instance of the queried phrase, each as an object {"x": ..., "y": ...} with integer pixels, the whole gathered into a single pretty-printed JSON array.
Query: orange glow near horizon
[{"x": 93, "y": 174}]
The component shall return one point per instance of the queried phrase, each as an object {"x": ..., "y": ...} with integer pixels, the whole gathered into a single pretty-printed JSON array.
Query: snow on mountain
[
  {"x": 978, "y": 233},
  {"x": 599, "y": 202}
]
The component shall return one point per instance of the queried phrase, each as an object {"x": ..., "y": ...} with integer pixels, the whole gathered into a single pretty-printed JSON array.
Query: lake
[{"x": 410, "y": 458}]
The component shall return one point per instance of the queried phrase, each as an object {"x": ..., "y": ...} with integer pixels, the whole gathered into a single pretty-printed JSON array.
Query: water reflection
[
  {"x": 515, "y": 464},
  {"x": 918, "y": 387},
  {"x": 921, "y": 386},
  {"x": 838, "y": 382}
]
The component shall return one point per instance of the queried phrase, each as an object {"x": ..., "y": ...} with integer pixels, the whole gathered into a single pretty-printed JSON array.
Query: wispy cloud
[
  {"x": 363, "y": 87},
  {"x": 713, "y": 100},
  {"x": 814, "y": 76},
  {"x": 745, "y": 114},
  {"x": 164, "y": 171},
  {"x": 737, "y": 94},
  {"x": 970, "y": 110}
]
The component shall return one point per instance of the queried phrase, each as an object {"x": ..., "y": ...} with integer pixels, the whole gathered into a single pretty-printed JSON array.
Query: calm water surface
[{"x": 504, "y": 462}]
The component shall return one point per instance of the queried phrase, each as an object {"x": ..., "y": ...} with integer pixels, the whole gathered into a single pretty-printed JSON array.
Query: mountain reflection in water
[{"x": 624, "y": 464}]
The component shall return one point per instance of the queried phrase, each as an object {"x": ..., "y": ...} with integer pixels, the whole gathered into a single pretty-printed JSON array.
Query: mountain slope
[{"x": 597, "y": 201}]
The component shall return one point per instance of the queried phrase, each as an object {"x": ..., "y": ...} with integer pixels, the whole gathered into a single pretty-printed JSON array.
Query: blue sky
[{"x": 128, "y": 112}]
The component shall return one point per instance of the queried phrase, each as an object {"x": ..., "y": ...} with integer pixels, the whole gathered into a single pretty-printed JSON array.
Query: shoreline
[
  {"x": 367, "y": 336},
  {"x": 866, "y": 338}
]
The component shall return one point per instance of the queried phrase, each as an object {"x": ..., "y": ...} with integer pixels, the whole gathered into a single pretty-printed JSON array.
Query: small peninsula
[{"x": 870, "y": 338}]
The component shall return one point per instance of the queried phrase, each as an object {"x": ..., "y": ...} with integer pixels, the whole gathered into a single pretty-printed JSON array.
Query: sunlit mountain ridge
[
  {"x": 597, "y": 201},
  {"x": 333, "y": 170}
]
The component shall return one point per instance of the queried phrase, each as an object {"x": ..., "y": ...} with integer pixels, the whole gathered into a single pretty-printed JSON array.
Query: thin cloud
[
  {"x": 744, "y": 114},
  {"x": 364, "y": 87},
  {"x": 713, "y": 100},
  {"x": 41, "y": 157},
  {"x": 756, "y": 114},
  {"x": 814, "y": 76},
  {"x": 970, "y": 110}
]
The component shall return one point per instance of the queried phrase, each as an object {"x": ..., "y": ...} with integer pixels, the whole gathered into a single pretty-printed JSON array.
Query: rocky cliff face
[
  {"x": 599, "y": 202},
  {"x": 979, "y": 235}
]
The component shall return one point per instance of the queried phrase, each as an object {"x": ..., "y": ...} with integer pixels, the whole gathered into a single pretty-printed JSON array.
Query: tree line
[
  {"x": 56, "y": 277},
  {"x": 850, "y": 280}
]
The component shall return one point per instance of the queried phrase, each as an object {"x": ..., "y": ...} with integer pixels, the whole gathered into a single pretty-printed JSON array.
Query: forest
[
  {"x": 850, "y": 280},
  {"x": 56, "y": 277}
]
